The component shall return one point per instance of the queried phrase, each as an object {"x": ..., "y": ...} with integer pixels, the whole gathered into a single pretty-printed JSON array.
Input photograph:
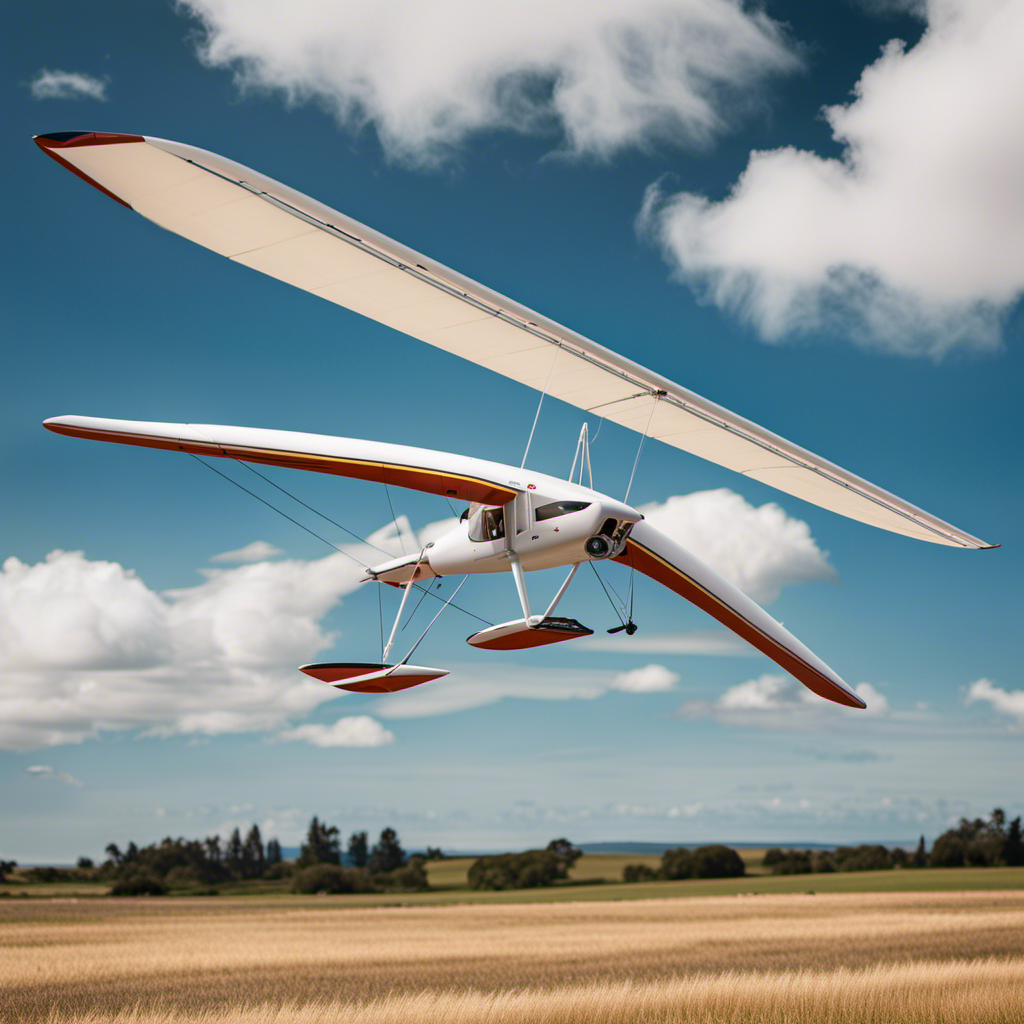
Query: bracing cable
[{"x": 313, "y": 533}]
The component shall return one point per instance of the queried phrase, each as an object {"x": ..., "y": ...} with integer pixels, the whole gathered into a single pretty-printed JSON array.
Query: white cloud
[
  {"x": 67, "y": 85},
  {"x": 475, "y": 686},
  {"x": 428, "y": 73},
  {"x": 779, "y": 702},
  {"x": 760, "y": 550},
  {"x": 352, "y": 731},
  {"x": 45, "y": 771},
  {"x": 86, "y": 646},
  {"x": 649, "y": 679},
  {"x": 257, "y": 551},
  {"x": 913, "y": 241},
  {"x": 1006, "y": 702},
  {"x": 701, "y": 642}
]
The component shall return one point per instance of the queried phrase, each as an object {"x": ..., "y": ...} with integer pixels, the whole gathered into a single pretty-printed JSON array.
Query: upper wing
[
  {"x": 454, "y": 476},
  {"x": 257, "y": 221},
  {"x": 652, "y": 553}
]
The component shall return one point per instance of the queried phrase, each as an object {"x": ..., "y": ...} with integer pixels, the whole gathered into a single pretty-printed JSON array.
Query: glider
[{"x": 518, "y": 520}]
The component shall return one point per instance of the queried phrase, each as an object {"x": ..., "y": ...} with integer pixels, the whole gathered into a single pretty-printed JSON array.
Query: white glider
[{"x": 518, "y": 520}]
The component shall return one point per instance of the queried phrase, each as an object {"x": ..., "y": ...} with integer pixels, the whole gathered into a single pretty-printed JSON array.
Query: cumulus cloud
[
  {"x": 779, "y": 702},
  {"x": 649, "y": 679},
  {"x": 475, "y": 686},
  {"x": 67, "y": 85},
  {"x": 45, "y": 771},
  {"x": 913, "y": 241},
  {"x": 257, "y": 551},
  {"x": 352, "y": 731},
  {"x": 428, "y": 73},
  {"x": 86, "y": 646},
  {"x": 1006, "y": 702},
  {"x": 760, "y": 550}
]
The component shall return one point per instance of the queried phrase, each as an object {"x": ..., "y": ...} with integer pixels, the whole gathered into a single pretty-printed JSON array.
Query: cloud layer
[
  {"x": 760, "y": 550},
  {"x": 913, "y": 241},
  {"x": 779, "y": 702},
  {"x": 67, "y": 85},
  {"x": 86, "y": 646},
  {"x": 428, "y": 73}
]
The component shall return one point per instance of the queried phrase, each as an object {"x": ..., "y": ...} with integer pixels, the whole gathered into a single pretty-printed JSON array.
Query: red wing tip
[
  {"x": 989, "y": 547},
  {"x": 66, "y": 140}
]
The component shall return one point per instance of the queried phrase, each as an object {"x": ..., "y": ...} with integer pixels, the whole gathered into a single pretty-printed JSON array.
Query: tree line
[
  {"x": 203, "y": 864},
  {"x": 972, "y": 843}
]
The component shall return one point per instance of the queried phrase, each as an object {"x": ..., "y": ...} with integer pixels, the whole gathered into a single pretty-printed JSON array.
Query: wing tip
[
  {"x": 68, "y": 140},
  {"x": 53, "y": 142}
]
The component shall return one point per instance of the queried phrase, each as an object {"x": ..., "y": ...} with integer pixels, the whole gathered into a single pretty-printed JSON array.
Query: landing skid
[
  {"x": 520, "y": 634},
  {"x": 363, "y": 677}
]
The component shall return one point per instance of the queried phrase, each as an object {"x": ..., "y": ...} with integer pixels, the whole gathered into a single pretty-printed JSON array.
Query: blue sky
[{"x": 850, "y": 281}]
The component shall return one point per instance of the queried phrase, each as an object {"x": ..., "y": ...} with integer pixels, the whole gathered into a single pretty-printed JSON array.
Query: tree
[
  {"x": 717, "y": 862},
  {"x": 565, "y": 853},
  {"x": 515, "y": 870},
  {"x": 322, "y": 845},
  {"x": 358, "y": 849},
  {"x": 233, "y": 854},
  {"x": 6, "y": 867},
  {"x": 387, "y": 853},
  {"x": 920, "y": 858},
  {"x": 115, "y": 855},
  {"x": 254, "y": 861},
  {"x": 638, "y": 873},
  {"x": 85, "y": 863},
  {"x": 273, "y": 852},
  {"x": 677, "y": 863},
  {"x": 1013, "y": 849}
]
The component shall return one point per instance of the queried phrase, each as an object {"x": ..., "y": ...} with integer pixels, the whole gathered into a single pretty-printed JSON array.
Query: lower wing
[{"x": 649, "y": 551}]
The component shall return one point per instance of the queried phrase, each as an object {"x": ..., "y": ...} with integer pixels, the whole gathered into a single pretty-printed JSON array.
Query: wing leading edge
[
  {"x": 265, "y": 225},
  {"x": 453, "y": 476},
  {"x": 649, "y": 551}
]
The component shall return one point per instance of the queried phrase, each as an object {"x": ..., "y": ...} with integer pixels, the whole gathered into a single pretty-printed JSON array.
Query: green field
[{"x": 598, "y": 877}]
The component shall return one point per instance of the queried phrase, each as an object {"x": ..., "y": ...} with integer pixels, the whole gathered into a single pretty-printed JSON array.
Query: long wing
[
  {"x": 649, "y": 551},
  {"x": 455, "y": 476},
  {"x": 257, "y": 221}
]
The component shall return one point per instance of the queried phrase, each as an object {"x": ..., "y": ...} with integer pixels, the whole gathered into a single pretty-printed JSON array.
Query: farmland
[{"x": 777, "y": 956}]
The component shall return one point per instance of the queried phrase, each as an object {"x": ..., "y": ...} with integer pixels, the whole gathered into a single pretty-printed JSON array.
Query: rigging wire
[
  {"x": 636, "y": 461},
  {"x": 341, "y": 551},
  {"x": 536, "y": 415},
  {"x": 313, "y": 533},
  {"x": 315, "y": 512},
  {"x": 615, "y": 608},
  {"x": 398, "y": 529}
]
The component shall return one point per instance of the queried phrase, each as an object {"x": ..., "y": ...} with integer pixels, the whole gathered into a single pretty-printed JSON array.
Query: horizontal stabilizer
[{"x": 363, "y": 677}]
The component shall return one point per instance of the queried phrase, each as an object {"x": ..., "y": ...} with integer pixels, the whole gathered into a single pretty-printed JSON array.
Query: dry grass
[{"x": 855, "y": 957}]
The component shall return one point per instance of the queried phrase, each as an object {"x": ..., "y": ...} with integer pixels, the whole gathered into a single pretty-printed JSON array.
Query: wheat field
[{"x": 894, "y": 957}]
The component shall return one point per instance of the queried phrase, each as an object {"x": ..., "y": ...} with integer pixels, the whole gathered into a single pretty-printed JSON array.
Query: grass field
[{"x": 835, "y": 958}]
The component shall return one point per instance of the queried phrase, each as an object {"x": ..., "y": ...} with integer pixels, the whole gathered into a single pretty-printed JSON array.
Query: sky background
[{"x": 810, "y": 214}]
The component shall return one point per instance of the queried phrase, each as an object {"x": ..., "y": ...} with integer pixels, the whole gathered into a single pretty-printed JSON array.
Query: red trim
[
  {"x": 72, "y": 139},
  {"x": 48, "y": 144},
  {"x": 649, "y": 564}
]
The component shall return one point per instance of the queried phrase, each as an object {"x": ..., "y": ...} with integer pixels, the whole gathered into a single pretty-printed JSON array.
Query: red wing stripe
[
  {"x": 417, "y": 478},
  {"x": 651, "y": 564}
]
